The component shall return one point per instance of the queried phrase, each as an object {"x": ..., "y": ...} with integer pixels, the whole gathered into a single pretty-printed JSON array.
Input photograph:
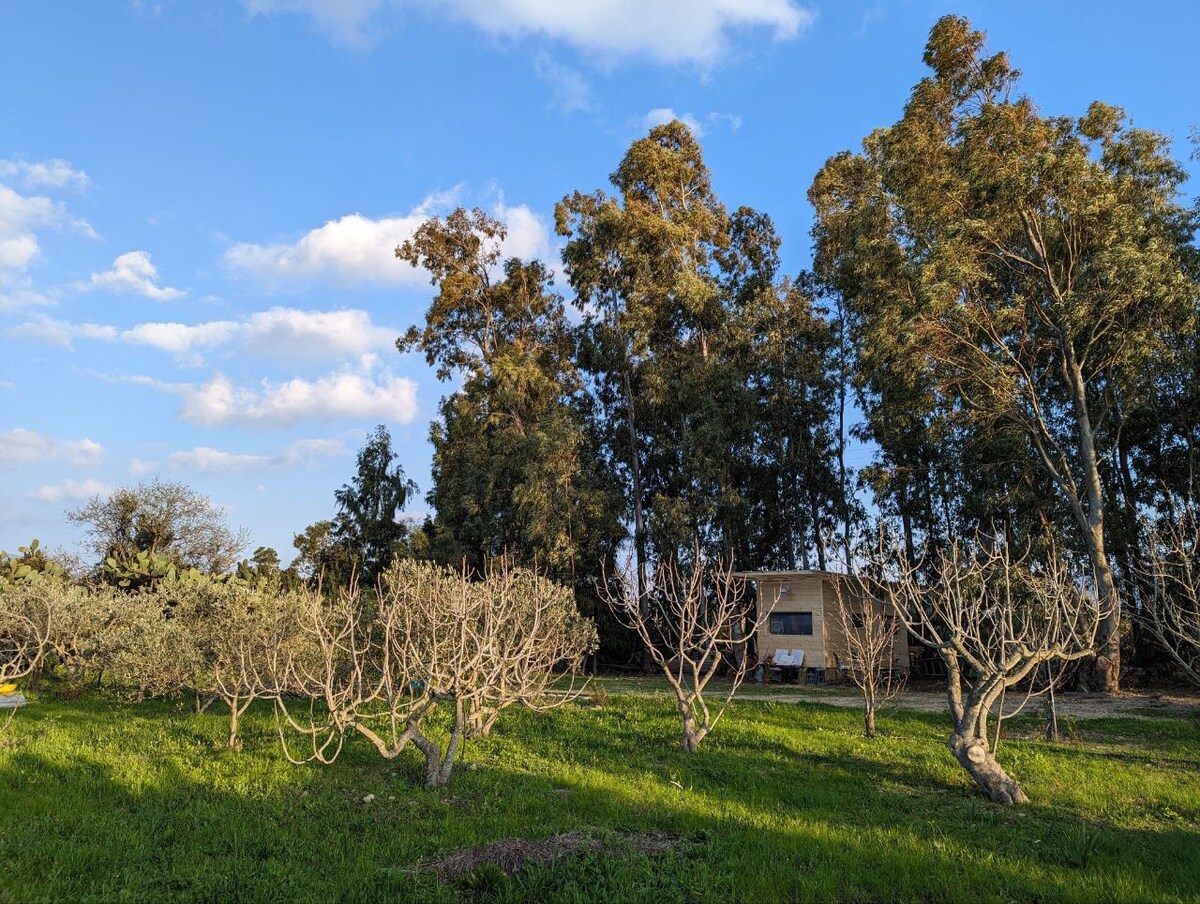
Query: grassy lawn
[{"x": 109, "y": 801}]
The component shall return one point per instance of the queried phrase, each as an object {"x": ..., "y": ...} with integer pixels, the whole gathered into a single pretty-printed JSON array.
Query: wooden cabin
[{"x": 803, "y": 617}]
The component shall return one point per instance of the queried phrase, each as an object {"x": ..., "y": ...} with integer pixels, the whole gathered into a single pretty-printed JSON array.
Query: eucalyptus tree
[
  {"x": 796, "y": 489},
  {"x": 1018, "y": 272},
  {"x": 514, "y": 469},
  {"x": 675, "y": 293}
]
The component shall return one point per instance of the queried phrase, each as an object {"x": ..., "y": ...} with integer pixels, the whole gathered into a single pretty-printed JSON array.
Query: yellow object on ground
[{"x": 9, "y": 688}]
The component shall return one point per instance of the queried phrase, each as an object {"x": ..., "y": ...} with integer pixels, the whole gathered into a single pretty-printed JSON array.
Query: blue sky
[{"x": 199, "y": 200}]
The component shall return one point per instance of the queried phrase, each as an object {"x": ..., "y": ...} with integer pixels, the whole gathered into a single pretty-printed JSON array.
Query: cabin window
[{"x": 791, "y": 623}]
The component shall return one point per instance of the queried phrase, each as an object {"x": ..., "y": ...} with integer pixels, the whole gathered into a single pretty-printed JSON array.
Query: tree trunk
[
  {"x": 1107, "y": 668},
  {"x": 693, "y": 734},
  {"x": 869, "y": 720},
  {"x": 234, "y": 715},
  {"x": 972, "y": 753}
]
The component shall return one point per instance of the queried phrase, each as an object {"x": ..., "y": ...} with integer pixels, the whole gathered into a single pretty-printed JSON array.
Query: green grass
[{"x": 108, "y": 801}]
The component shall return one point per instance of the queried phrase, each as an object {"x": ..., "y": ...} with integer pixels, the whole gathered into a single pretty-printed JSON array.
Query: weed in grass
[
  {"x": 1081, "y": 846},
  {"x": 485, "y": 882}
]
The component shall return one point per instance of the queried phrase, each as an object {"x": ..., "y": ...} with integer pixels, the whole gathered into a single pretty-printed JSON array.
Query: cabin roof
[{"x": 799, "y": 573}]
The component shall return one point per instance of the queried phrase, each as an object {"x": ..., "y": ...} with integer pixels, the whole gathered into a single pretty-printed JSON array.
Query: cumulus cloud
[
  {"x": 215, "y": 461},
  {"x": 665, "y": 31},
  {"x": 22, "y": 218},
  {"x": 662, "y": 115},
  {"x": 340, "y": 395},
  {"x": 60, "y": 332},
  {"x": 21, "y": 446},
  {"x": 55, "y": 173},
  {"x": 134, "y": 272},
  {"x": 71, "y": 489},
  {"x": 356, "y": 249},
  {"x": 286, "y": 334}
]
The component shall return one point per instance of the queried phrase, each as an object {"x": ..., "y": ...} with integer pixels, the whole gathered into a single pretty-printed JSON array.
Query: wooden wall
[
  {"x": 804, "y": 595},
  {"x": 815, "y": 594}
]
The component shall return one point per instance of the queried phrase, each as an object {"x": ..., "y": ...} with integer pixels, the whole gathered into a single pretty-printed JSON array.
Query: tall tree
[
  {"x": 368, "y": 519},
  {"x": 663, "y": 275},
  {"x": 515, "y": 469},
  {"x": 796, "y": 495},
  {"x": 1016, "y": 269}
]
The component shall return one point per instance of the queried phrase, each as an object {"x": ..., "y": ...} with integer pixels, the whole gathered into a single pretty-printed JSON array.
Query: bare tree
[
  {"x": 25, "y": 626},
  {"x": 1171, "y": 571},
  {"x": 867, "y": 633},
  {"x": 433, "y": 638},
  {"x": 688, "y": 620},
  {"x": 993, "y": 619},
  {"x": 228, "y": 630}
]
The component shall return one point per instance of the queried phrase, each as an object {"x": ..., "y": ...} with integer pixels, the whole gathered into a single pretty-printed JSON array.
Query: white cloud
[
  {"x": 215, "y": 461},
  {"x": 356, "y": 249},
  {"x": 134, "y": 272},
  {"x": 61, "y": 332},
  {"x": 290, "y": 333},
  {"x": 20, "y": 298},
  {"x": 344, "y": 394},
  {"x": 287, "y": 334},
  {"x": 22, "y": 218},
  {"x": 664, "y": 31},
  {"x": 21, "y": 446},
  {"x": 568, "y": 87},
  {"x": 528, "y": 235},
  {"x": 71, "y": 489},
  {"x": 54, "y": 173},
  {"x": 179, "y": 337},
  {"x": 662, "y": 115},
  {"x": 139, "y": 468}
]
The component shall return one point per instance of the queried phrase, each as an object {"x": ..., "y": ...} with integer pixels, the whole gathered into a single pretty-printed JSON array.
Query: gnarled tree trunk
[{"x": 969, "y": 745}]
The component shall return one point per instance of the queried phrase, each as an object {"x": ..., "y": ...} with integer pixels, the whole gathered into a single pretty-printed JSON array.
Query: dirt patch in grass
[{"x": 513, "y": 854}]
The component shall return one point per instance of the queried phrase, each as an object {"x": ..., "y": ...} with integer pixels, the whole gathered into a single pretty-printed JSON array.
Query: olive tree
[
  {"x": 993, "y": 618},
  {"x": 432, "y": 639}
]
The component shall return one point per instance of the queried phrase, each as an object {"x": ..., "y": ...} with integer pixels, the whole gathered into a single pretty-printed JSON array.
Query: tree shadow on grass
[{"x": 775, "y": 806}]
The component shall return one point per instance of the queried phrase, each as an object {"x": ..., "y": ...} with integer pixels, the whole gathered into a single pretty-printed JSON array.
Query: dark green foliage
[
  {"x": 1014, "y": 283},
  {"x": 710, "y": 376},
  {"x": 368, "y": 520},
  {"x": 321, "y": 557},
  {"x": 365, "y": 535},
  {"x": 515, "y": 469}
]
